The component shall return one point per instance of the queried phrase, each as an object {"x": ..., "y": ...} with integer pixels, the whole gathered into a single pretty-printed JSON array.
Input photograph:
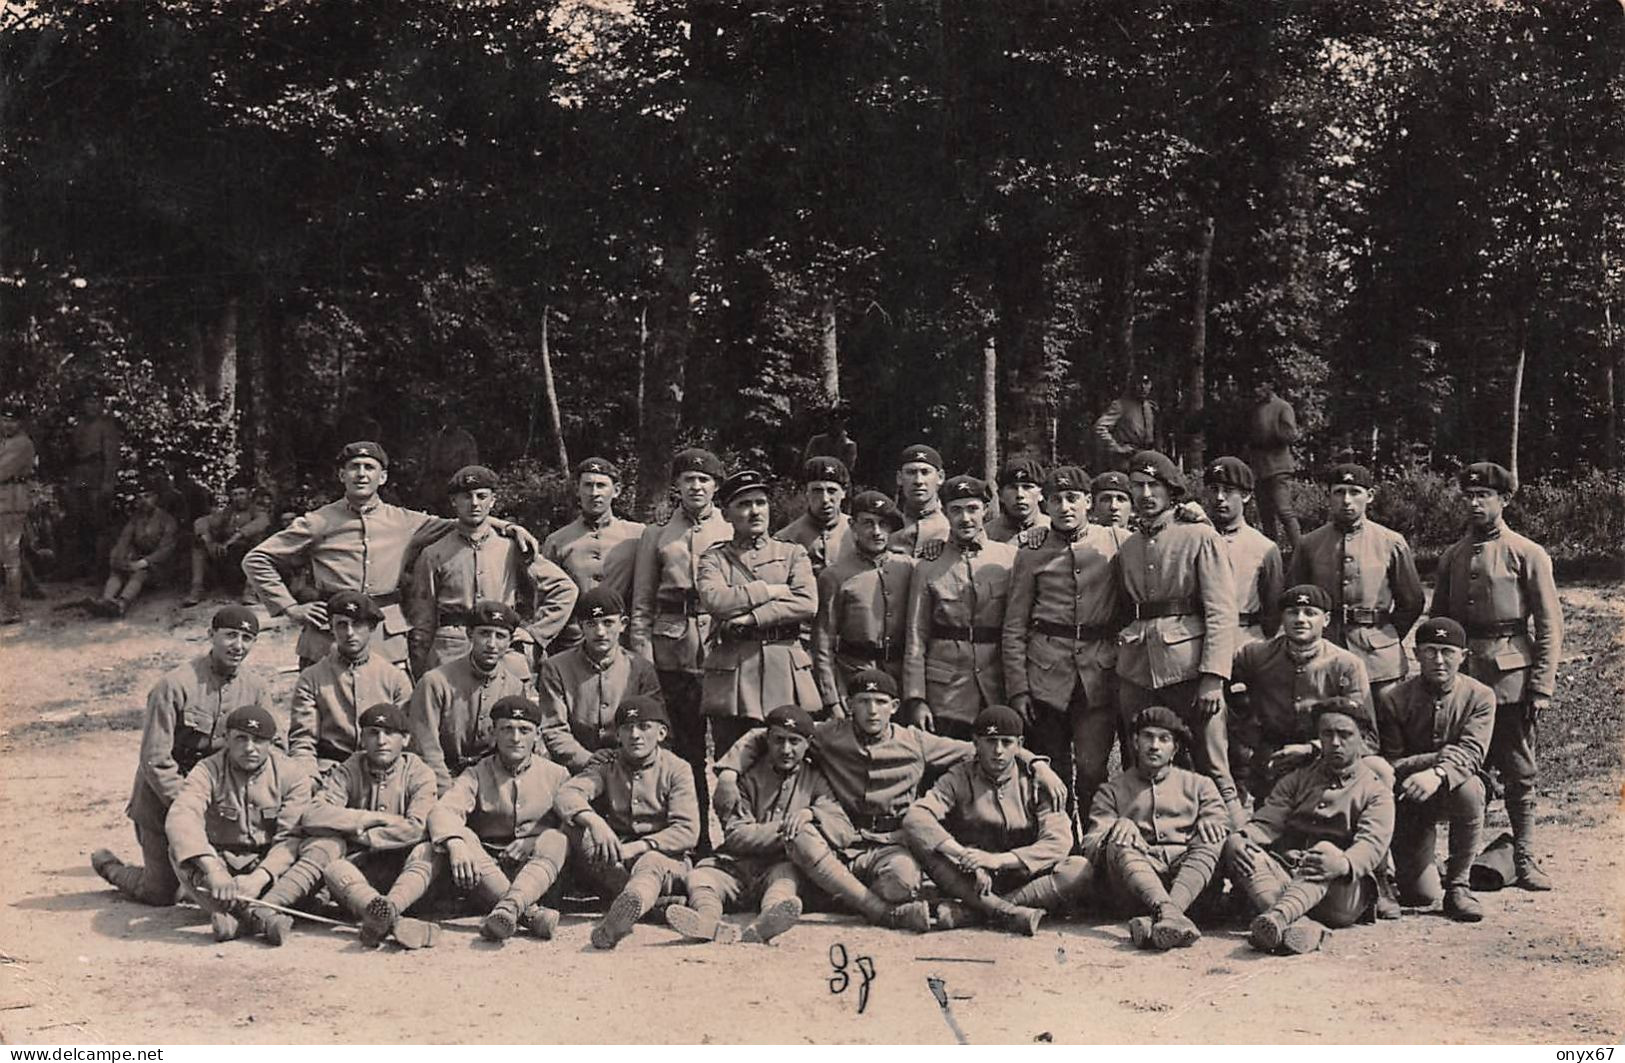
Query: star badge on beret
[
  {"x": 991, "y": 729},
  {"x": 1148, "y": 469},
  {"x": 1063, "y": 481},
  {"x": 1302, "y": 599},
  {"x": 918, "y": 455},
  {"x": 350, "y": 608},
  {"x": 1348, "y": 477},
  {"x": 595, "y": 466},
  {"x": 632, "y": 715},
  {"x": 250, "y": 725},
  {"x": 870, "y": 686},
  {"x": 1475, "y": 477}
]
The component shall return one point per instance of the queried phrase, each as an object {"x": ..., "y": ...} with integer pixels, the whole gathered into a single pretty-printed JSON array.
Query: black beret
[
  {"x": 1021, "y": 471},
  {"x": 1067, "y": 478},
  {"x": 792, "y": 718},
  {"x": 920, "y": 452},
  {"x": 235, "y": 618},
  {"x": 999, "y": 720},
  {"x": 471, "y": 478},
  {"x": 1158, "y": 466},
  {"x": 364, "y": 448},
  {"x": 385, "y": 715},
  {"x": 600, "y": 602},
  {"x": 601, "y": 466},
  {"x": 355, "y": 605},
  {"x": 492, "y": 613},
  {"x": 640, "y": 708},
  {"x": 872, "y": 681},
  {"x": 1349, "y": 474},
  {"x": 740, "y": 482},
  {"x": 1228, "y": 472},
  {"x": 880, "y": 505},
  {"x": 516, "y": 707},
  {"x": 694, "y": 459},
  {"x": 1111, "y": 481},
  {"x": 251, "y": 719},
  {"x": 1305, "y": 594},
  {"x": 1163, "y": 717},
  {"x": 962, "y": 487},
  {"x": 830, "y": 470},
  {"x": 1441, "y": 631},
  {"x": 1488, "y": 474},
  {"x": 1353, "y": 708}
]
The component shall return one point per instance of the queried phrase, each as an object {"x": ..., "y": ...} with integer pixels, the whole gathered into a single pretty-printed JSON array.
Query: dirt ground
[{"x": 78, "y": 964}]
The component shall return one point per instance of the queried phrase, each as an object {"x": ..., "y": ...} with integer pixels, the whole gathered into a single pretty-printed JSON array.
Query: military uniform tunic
[
  {"x": 328, "y": 701},
  {"x": 1451, "y": 731},
  {"x": 1256, "y": 563},
  {"x": 450, "y": 715},
  {"x": 824, "y": 546},
  {"x": 352, "y": 788},
  {"x": 1376, "y": 593},
  {"x": 1353, "y": 810},
  {"x": 862, "y": 606},
  {"x": 751, "y": 672},
  {"x": 1284, "y": 684},
  {"x": 491, "y": 805},
  {"x": 1063, "y": 585},
  {"x": 1011, "y": 815},
  {"x": 603, "y": 553},
  {"x": 1182, "y": 569},
  {"x": 956, "y": 608},
  {"x": 921, "y": 529},
  {"x": 1003, "y": 528},
  {"x": 579, "y": 697},
  {"x": 1167, "y": 810},
  {"x": 247, "y": 819},
  {"x": 653, "y": 803},
  {"x": 668, "y": 625}
]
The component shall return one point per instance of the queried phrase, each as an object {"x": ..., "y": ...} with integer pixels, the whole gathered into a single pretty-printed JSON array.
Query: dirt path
[{"x": 78, "y": 964}]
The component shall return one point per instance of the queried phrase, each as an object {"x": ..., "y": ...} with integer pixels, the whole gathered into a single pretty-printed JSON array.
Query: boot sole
[
  {"x": 225, "y": 927},
  {"x": 498, "y": 926},
  {"x": 1139, "y": 931},
  {"x": 378, "y": 921},
  {"x": 775, "y": 920},
  {"x": 542, "y": 922},
  {"x": 1265, "y": 934},
  {"x": 623, "y": 913},
  {"x": 1302, "y": 937},
  {"x": 690, "y": 923},
  {"x": 278, "y": 929},
  {"x": 416, "y": 933},
  {"x": 1167, "y": 937}
]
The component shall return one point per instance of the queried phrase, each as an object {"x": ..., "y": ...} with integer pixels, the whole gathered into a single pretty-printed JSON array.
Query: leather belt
[
  {"x": 1361, "y": 616},
  {"x": 870, "y": 651},
  {"x": 1170, "y": 607},
  {"x": 878, "y": 824},
  {"x": 1075, "y": 632},
  {"x": 1498, "y": 629},
  {"x": 966, "y": 634},
  {"x": 1248, "y": 619},
  {"x": 781, "y": 633},
  {"x": 453, "y": 617},
  {"x": 328, "y": 751},
  {"x": 680, "y": 603}
]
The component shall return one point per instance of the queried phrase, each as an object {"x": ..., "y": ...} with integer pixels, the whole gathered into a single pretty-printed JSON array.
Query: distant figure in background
[
  {"x": 833, "y": 442},
  {"x": 16, "y": 477},
  {"x": 1128, "y": 425},
  {"x": 144, "y": 546},
  {"x": 1272, "y": 431},
  {"x": 221, "y": 539},
  {"x": 448, "y": 450},
  {"x": 91, "y": 482}
]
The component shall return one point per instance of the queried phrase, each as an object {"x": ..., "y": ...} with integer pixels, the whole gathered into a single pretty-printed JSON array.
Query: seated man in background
[
  {"x": 223, "y": 855},
  {"x": 778, "y": 796},
  {"x": 988, "y": 834},
  {"x": 220, "y": 541},
  {"x": 143, "y": 548},
  {"x": 581, "y": 688},
  {"x": 324, "y": 720},
  {"x": 633, "y": 819},
  {"x": 495, "y": 833},
  {"x": 185, "y": 722},
  {"x": 1308, "y": 858},
  {"x": 1156, "y": 829}
]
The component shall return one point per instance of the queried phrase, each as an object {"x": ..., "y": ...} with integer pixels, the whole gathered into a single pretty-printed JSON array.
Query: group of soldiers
[{"x": 875, "y": 698}]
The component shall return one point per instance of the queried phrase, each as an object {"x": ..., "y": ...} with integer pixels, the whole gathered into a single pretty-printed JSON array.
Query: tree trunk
[
  {"x": 990, "y": 409},
  {"x": 829, "y": 363},
  {"x": 1196, "y": 370},
  {"x": 1611, "y": 355},
  {"x": 1123, "y": 327},
  {"x": 554, "y": 422},
  {"x": 1517, "y": 397},
  {"x": 643, "y": 351},
  {"x": 220, "y": 368}
]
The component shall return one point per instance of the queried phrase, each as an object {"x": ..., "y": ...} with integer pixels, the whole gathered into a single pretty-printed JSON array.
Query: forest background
[{"x": 582, "y": 227}]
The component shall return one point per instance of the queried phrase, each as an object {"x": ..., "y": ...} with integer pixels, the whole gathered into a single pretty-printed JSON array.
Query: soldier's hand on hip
[
  {"x": 312, "y": 613},
  {"x": 917, "y": 713}
]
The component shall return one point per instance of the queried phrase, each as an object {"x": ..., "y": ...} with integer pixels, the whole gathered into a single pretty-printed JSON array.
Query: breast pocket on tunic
[
  {"x": 194, "y": 732},
  {"x": 1516, "y": 653}
]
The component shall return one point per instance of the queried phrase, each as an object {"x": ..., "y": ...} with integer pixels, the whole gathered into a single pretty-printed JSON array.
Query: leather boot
[
  {"x": 825, "y": 869},
  {"x": 1520, "y": 804},
  {"x": 11, "y": 600},
  {"x": 1065, "y": 887}
]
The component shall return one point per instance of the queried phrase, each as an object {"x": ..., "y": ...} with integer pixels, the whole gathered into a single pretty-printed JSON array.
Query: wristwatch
[{"x": 1439, "y": 771}]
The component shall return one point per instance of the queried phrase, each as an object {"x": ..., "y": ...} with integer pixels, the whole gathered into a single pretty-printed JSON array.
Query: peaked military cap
[
  {"x": 251, "y": 719},
  {"x": 1158, "y": 466},
  {"x": 696, "y": 459},
  {"x": 599, "y": 603},
  {"x": 235, "y": 618},
  {"x": 1488, "y": 474},
  {"x": 961, "y": 487},
  {"x": 1353, "y": 708},
  {"x": 829, "y": 470},
  {"x": 386, "y": 716},
  {"x": 471, "y": 478},
  {"x": 1067, "y": 478},
  {"x": 880, "y": 505},
  {"x": 998, "y": 721},
  {"x": 920, "y": 452},
  {"x": 1163, "y": 717},
  {"x": 600, "y": 466},
  {"x": 1110, "y": 481},
  {"x": 355, "y": 605},
  {"x": 516, "y": 707},
  {"x": 1305, "y": 594},
  {"x": 639, "y": 708},
  {"x": 1021, "y": 471},
  {"x": 1228, "y": 472},
  {"x": 873, "y": 681},
  {"x": 363, "y": 448},
  {"x": 492, "y": 613},
  {"x": 1441, "y": 631},
  {"x": 1349, "y": 474},
  {"x": 740, "y": 482},
  {"x": 792, "y": 718}
]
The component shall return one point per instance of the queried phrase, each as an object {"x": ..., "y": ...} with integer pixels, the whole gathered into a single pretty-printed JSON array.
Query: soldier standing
[
  {"x": 1370, "y": 574},
  {"x": 1255, "y": 560},
  {"x": 1129, "y": 425},
  {"x": 1021, "y": 500},
  {"x": 919, "y": 479},
  {"x": 1113, "y": 507},
  {"x": 1494, "y": 582},
  {"x": 862, "y": 603},
  {"x": 581, "y": 689},
  {"x": 16, "y": 476},
  {"x": 92, "y": 479},
  {"x": 823, "y": 530},
  {"x": 1272, "y": 431},
  {"x": 598, "y": 548},
  {"x": 956, "y": 607}
]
